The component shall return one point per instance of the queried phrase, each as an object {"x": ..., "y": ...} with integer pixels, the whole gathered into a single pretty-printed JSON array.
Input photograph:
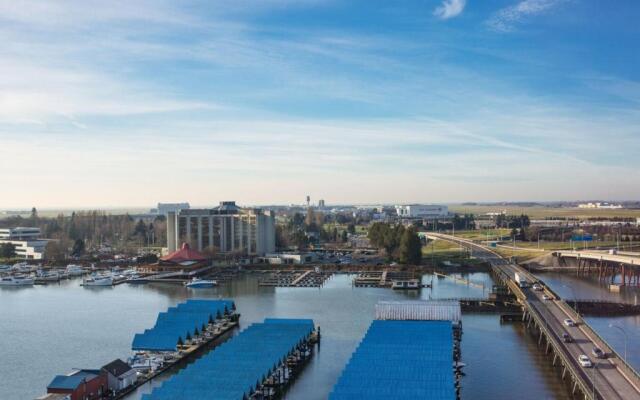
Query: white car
[
  {"x": 546, "y": 297},
  {"x": 537, "y": 287},
  {"x": 569, "y": 322},
  {"x": 585, "y": 361}
]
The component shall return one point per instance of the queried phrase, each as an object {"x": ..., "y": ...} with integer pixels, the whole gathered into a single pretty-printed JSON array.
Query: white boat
[
  {"x": 406, "y": 284},
  {"x": 16, "y": 281},
  {"x": 21, "y": 267},
  {"x": 47, "y": 276},
  {"x": 98, "y": 280},
  {"x": 74, "y": 270},
  {"x": 197, "y": 283},
  {"x": 5, "y": 268}
]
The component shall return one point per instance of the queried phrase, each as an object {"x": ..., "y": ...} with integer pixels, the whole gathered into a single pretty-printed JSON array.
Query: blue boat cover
[
  {"x": 400, "y": 360},
  {"x": 236, "y": 367},
  {"x": 179, "y": 322}
]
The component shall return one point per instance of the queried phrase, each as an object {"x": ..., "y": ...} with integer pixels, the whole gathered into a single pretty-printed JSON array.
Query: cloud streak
[
  {"x": 450, "y": 8},
  {"x": 506, "y": 19}
]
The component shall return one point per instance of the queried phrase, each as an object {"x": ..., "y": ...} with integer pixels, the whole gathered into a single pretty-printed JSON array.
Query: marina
[{"x": 344, "y": 313}]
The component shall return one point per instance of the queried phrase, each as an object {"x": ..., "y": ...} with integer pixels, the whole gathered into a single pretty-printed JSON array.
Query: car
[
  {"x": 569, "y": 322},
  {"x": 585, "y": 361},
  {"x": 567, "y": 338},
  {"x": 546, "y": 297},
  {"x": 597, "y": 352},
  {"x": 537, "y": 287}
]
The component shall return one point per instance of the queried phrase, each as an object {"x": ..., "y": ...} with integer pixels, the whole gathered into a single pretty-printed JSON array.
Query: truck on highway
[{"x": 521, "y": 281}]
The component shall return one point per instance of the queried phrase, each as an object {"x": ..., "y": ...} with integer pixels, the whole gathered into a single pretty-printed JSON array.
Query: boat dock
[
  {"x": 259, "y": 363},
  {"x": 411, "y": 351},
  {"x": 307, "y": 278}
]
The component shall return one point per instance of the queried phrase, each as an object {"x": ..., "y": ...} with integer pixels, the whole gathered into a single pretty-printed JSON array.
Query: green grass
[
  {"x": 538, "y": 212},
  {"x": 482, "y": 234}
]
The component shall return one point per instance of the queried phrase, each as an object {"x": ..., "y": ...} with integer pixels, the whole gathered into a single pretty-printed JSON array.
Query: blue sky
[{"x": 133, "y": 102}]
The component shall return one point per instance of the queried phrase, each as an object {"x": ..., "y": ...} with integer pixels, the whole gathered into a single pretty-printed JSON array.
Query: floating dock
[
  {"x": 307, "y": 278},
  {"x": 406, "y": 355},
  {"x": 258, "y": 363}
]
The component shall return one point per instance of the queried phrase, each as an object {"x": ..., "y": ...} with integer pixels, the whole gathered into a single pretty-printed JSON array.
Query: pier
[
  {"x": 259, "y": 363},
  {"x": 411, "y": 351}
]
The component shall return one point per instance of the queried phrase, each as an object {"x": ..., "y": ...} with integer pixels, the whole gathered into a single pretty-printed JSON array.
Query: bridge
[
  {"x": 605, "y": 264},
  {"x": 610, "y": 378}
]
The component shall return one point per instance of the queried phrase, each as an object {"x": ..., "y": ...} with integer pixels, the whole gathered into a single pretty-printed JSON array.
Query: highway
[{"x": 610, "y": 378}]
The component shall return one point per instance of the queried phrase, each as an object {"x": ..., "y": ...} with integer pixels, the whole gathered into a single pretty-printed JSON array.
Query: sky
[{"x": 130, "y": 103}]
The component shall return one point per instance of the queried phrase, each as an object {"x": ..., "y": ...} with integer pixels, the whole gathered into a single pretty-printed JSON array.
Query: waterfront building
[
  {"x": 27, "y": 242},
  {"x": 119, "y": 375},
  {"x": 425, "y": 211},
  {"x": 83, "y": 384},
  {"x": 223, "y": 229}
]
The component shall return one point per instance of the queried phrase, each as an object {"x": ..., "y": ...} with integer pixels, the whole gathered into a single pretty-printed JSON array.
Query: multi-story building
[
  {"x": 426, "y": 211},
  {"x": 27, "y": 242},
  {"x": 165, "y": 208},
  {"x": 223, "y": 229}
]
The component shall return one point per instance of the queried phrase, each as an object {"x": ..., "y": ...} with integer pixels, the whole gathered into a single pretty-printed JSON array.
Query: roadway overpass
[
  {"x": 610, "y": 378},
  {"x": 606, "y": 265}
]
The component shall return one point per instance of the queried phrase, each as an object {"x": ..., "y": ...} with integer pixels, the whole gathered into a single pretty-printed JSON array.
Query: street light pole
[
  {"x": 575, "y": 299},
  {"x": 624, "y": 332}
]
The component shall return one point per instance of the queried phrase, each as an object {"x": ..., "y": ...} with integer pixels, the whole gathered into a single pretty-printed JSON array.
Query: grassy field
[
  {"x": 482, "y": 234},
  {"x": 539, "y": 212}
]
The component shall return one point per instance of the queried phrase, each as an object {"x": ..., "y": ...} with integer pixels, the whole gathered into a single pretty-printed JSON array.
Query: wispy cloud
[
  {"x": 506, "y": 19},
  {"x": 450, "y": 8}
]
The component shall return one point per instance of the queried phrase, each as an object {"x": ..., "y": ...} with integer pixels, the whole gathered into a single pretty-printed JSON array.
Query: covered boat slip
[
  {"x": 180, "y": 322},
  {"x": 407, "y": 353},
  {"x": 239, "y": 367},
  {"x": 401, "y": 360}
]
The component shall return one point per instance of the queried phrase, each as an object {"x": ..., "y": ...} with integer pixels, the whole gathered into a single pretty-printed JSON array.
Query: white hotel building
[
  {"x": 226, "y": 228},
  {"x": 27, "y": 242}
]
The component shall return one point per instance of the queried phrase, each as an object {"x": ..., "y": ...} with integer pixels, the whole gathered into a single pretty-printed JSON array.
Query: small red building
[{"x": 83, "y": 384}]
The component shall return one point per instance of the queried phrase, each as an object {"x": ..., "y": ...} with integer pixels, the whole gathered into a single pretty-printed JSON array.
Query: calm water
[
  {"x": 570, "y": 287},
  {"x": 50, "y": 330}
]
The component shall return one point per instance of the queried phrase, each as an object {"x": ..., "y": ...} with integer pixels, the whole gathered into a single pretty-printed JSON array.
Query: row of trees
[
  {"x": 76, "y": 233},
  {"x": 399, "y": 243}
]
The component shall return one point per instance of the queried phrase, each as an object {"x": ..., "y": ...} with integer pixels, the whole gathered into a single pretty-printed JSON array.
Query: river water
[{"x": 49, "y": 330}]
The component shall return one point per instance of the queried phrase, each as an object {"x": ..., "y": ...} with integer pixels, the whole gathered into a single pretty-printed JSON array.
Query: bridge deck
[
  {"x": 623, "y": 258},
  {"x": 611, "y": 378}
]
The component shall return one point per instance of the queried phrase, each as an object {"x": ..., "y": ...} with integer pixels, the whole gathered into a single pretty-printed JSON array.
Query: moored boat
[
  {"x": 197, "y": 283},
  {"x": 74, "y": 270},
  {"x": 98, "y": 280},
  {"x": 16, "y": 281},
  {"x": 405, "y": 284}
]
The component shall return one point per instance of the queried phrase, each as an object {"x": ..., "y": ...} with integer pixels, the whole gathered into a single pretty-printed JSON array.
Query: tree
[
  {"x": 344, "y": 237},
  {"x": 410, "y": 248},
  {"x": 351, "y": 228},
  {"x": 78, "y": 248},
  {"x": 54, "y": 251},
  {"x": 8, "y": 250}
]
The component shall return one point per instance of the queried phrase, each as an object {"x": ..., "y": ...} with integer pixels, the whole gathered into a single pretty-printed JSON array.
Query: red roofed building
[
  {"x": 184, "y": 254},
  {"x": 185, "y": 259}
]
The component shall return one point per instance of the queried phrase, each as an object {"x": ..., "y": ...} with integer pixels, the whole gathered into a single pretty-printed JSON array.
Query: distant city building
[
  {"x": 165, "y": 208},
  {"x": 308, "y": 200},
  {"x": 320, "y": 203},
  {"x": 27, "y": 242},
  {"x": 223, "y": 229},
  {"x": 600, "y": 205},
  {"x": 427, "y": 211}
]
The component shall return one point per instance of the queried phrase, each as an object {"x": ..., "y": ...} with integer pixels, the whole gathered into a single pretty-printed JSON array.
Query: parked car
[
  {"x": 597, "y": 352},
  {"x": 569, "y": 322},
  {"x": 567, "y": 338},
  {"x": 585, "y": 361},
  {"x": 546, "y": 297}
]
